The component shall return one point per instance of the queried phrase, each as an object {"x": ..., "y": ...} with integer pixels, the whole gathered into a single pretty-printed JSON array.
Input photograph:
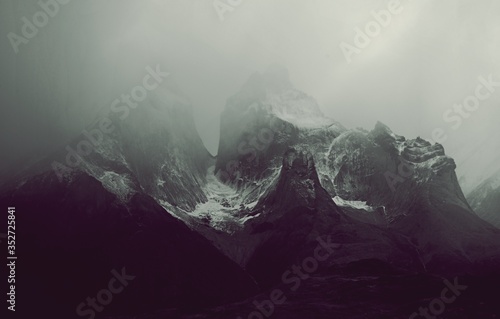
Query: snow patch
[
  {"x": 353, "y": 204},
  {"x": 117, "y": 184},
  {"x": 224, "y": 207},
  {"x": 247, "y": 218},
  {"x": 297, "y": 108}
]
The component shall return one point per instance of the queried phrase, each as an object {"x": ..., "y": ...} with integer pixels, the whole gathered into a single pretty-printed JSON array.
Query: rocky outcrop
[
  {"x": 296, "y": 212},
  {"x": 416, "y": 184}
]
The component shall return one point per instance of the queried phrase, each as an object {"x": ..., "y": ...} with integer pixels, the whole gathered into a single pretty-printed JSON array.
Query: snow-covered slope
[{"x": 296, "y": 108}]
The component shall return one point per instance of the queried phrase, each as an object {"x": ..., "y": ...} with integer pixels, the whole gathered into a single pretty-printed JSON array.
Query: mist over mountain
[
  {"x": 200, "y": 232},
  {"x": 430, "y": 58},
  {"x": 250, "y": 159}
]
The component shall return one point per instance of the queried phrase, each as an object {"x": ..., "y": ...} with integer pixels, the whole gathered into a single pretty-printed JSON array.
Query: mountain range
[{"x": 199, "y": 232}]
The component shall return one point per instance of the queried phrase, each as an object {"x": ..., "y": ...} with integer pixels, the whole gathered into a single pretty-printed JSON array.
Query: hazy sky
[{"x": 425, "y": 60}]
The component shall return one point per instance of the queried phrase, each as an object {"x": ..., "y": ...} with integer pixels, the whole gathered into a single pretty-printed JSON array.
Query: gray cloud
[{"x": 425, "y": 61}]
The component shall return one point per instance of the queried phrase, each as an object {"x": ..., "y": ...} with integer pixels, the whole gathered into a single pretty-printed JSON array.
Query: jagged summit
[
  {"x": 298, "y": 184},
  {"x": 382, "y": 131},
  {"x": 263, "y": 120},
  {"x": 273, "y": 93},
  {"x": 297, "y": 160},
  {"x": 298, "y": 174}
]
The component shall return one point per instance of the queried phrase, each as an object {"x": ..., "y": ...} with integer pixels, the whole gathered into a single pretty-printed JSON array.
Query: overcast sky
[{"x": 428, "y": 57}]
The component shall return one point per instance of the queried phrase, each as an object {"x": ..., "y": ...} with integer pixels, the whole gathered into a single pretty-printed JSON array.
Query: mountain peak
[
  {"x": 298, "y": 184},
  {"x": 383, "y": 131},
  {"x": 297, "y": 160},
  {"x": 379, "y": 126}
]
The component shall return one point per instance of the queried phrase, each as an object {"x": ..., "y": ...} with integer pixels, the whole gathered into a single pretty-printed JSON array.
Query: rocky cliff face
[
  {"x": 161, "y": 147},
  {"x": 407, "y": 186},
  {"x": 166, "y": 153},
  {"x": 416, "y": 184},
  {"x": 153, "y": 148},
  {"x": 266, "y": 117},
  {"x": 297, "y": 213}
]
